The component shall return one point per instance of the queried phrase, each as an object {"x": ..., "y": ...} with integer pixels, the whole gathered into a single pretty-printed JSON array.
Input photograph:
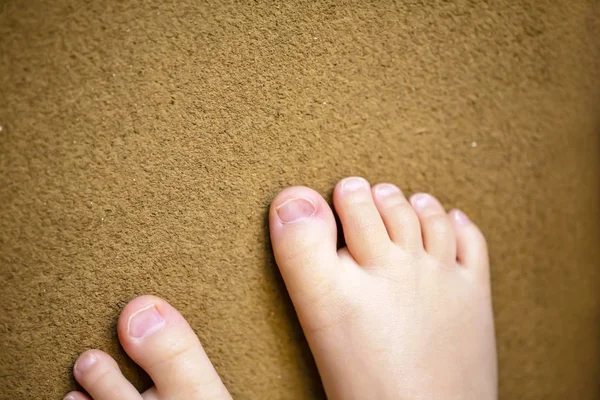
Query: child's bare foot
[
  {"x": 159, "y": 340},
  {"x": 402, "y": 312}
]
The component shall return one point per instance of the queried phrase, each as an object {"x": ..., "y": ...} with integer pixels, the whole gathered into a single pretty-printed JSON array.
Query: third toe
[
  {"x": 398, "y": 215},
  {"x": 471, "y": 246}
]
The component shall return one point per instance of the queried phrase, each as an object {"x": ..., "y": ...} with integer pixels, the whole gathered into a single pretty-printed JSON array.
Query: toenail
[
  {"x": 385, "y": 190},
  {"x": 461, "y": 218},
  {"x": 85, "y": 362},
  {"x": 421, "y": 201},
  {"x": 354, "y": 184},
  {"x": 144, "y": 322},
  {"x": 295, "y": 210},
  {"x": 68, "y": 397}
]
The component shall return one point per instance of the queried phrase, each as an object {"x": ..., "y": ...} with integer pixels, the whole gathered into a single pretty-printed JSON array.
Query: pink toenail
[
  {"x": 354, "y": 184},
  {"x": 145, "y": 322},
  {"x": 461, "y": 218},
  {"x": 85, "y": 362},
  {"x": 421, "y": 201},
  {"x": 385, "y": 190},
  {"x": 68, "y": 397},
  {"x": 295, "y": 210}
]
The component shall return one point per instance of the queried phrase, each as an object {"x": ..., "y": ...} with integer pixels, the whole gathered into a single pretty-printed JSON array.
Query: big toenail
[
  {"x": 461, "y": 218},
  {"x": 85, "y": 362},
  {"x": 421, "y": 201},
  {"x": 385, "y": 190},
  {"x": 144, "y": 322},
  {"x": 68, "y": 397},
  {"x": 354, "y": 184},
  {"x": 295, "y": 210}
]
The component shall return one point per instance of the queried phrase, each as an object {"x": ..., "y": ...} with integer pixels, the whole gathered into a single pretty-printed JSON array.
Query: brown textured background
[{"x": 142, "y": 142}]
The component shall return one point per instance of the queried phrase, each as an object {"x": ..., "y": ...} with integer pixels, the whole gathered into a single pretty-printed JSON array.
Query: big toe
[
  {"x": 303, "y": 236},
  {"x": 160, "y": 340}
]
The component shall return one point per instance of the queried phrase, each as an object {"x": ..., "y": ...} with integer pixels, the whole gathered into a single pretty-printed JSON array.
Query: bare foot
[
  {"x": 404, "y": 311},
  {"x": 159, "y": 339}
]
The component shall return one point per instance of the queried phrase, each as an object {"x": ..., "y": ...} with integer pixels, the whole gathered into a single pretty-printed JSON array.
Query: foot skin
[
  {"x": 404, "y": 311},
  {"x": 159, "y": 339}
]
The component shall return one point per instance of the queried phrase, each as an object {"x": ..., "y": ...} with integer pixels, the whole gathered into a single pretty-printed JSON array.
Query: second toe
[
  {"x": 364, "y": 230},
  {"x": 101, "y": 377}
]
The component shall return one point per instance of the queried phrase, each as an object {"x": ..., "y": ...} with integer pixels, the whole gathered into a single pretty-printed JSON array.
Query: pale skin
[{"x": 403, "y": 312}]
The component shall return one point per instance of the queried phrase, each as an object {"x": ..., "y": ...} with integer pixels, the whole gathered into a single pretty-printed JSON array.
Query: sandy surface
[{"x": 142, "y": 142}]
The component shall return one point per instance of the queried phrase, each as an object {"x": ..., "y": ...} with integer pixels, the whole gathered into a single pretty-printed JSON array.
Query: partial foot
[
  {"x": 159, "y": 340},
  {"x": 404, "y": 311}
]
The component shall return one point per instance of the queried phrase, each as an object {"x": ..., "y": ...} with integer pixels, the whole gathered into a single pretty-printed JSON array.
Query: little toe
[
  {"x": 365, "y": 233},
  {"x": 101, "y": 377},
  {"x": 471, "y": 246},
  {"x": 398, "y": 216},
  {"x": 160, "y": 340},
  {"x": 436, "y": 228}
]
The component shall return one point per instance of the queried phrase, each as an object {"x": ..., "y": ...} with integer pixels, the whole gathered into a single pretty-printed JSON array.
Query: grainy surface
[{"x": 142, "y": 142}]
